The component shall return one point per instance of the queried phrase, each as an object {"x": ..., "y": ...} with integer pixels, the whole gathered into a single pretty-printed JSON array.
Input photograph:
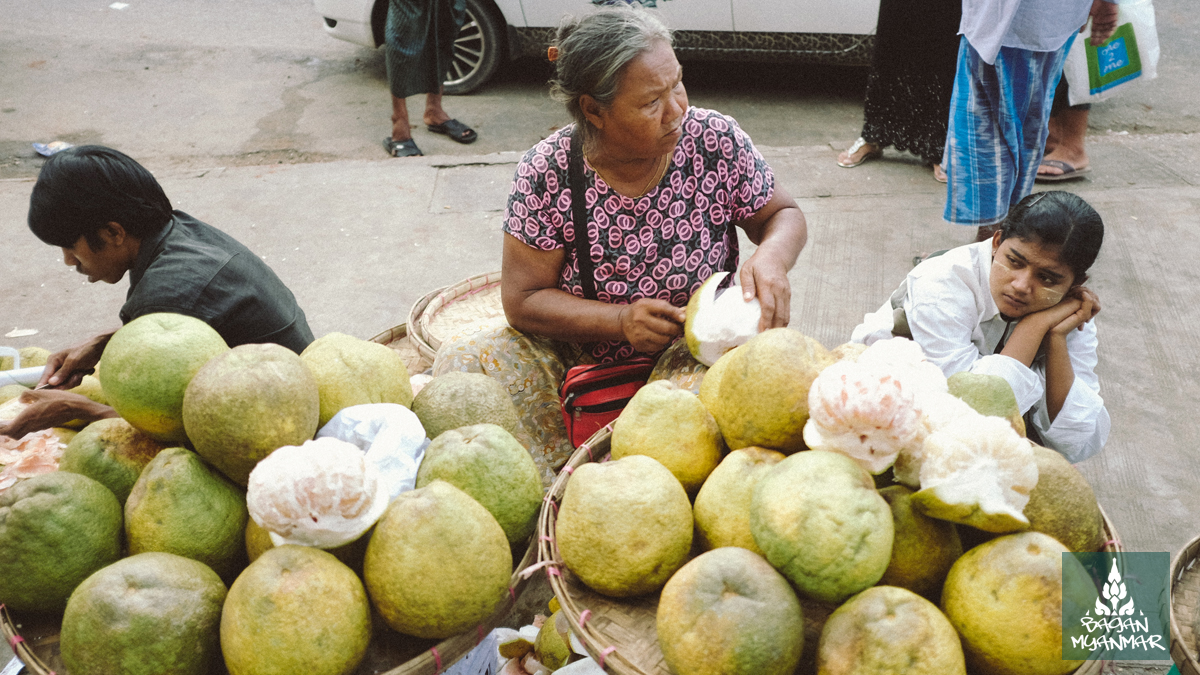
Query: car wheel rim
[{"x": 469, "y": 48}]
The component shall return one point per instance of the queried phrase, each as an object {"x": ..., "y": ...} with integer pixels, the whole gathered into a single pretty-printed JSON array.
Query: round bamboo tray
[
  {"x": 470, "y": 302},
  {"x": 1185, "y": 602},
  {"x": 401, "y": 342},
  {"x": 35, "y": 639},
  {"x": 414, "y": 313},
  {"x": 620, "y": 634}
]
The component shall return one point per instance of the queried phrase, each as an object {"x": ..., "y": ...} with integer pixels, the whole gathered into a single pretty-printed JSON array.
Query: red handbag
[{"x": 594, "y": 395}]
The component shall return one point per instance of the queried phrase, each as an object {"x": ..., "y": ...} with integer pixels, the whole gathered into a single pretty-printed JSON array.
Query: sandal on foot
[
  {"x": 457, "y": 131},
  {"x": 939, "y": 174},
  {"x": 1068, "y": 172},
  {"x": 850, "y": 162},
  {"x": 406, "y": 148}
]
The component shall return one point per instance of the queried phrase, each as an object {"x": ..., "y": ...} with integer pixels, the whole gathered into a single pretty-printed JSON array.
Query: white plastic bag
[
  {"x": 1106, "y": 77},
  {"x": 390, "y": 434}
]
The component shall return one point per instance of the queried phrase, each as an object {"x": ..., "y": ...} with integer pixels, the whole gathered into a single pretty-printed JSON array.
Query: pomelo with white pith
[{"x": 715, "y": 323}]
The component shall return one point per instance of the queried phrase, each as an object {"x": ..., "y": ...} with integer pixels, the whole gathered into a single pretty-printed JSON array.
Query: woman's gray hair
[{"x": 593, "y": 52}]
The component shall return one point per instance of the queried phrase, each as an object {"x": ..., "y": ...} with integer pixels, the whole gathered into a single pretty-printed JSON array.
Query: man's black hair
[
  {"x": 1058, "y": 219},
  {"x": 81, "y": 189}
]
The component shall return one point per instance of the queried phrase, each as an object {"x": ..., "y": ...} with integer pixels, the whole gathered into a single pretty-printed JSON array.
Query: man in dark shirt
[{"x": 110, "y": 216}]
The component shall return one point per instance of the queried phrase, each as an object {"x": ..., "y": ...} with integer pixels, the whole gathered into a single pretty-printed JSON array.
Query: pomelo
[
  {"x": 258, "y": 542},
  {"x": 350, "y": 371},
  {"x": 438, "y": 563},
  {"x": 148, "y": 614},
  {"x": 457, "y": 399},
  {"x": 1004, "y": 598},
  {"x": 11, "y": 391},
  {"x": 295, "y": 610},
  {"x": 55, "y": 530},
  {"x": 722, "y": 508},
  {"x": 91, "y": 388},
  {"x": 147, "y": 366},
  {"x": 1063, "y": 504},
  {"x": 728, "y": 612},
  {"x": 487, "y": 463},
  {"x": 763, "y": 394},
  {"x": 710, "y": 385},
  {"x": 923, "y": 548},
  {"x": 624, "y": 526},
  {"x": 715, "y": 324},
  {"x": 886, "y": 629},
  {"x": 112, "y": 452},
  {"x": 671, "y": 425},
  {"x": 180, "y": 505},
  {"x": 989, "y": 395},
  {"x": 817, "y": 517},
  {"x": 34, "y": 356},
  {"x": 247, "y": 402}
]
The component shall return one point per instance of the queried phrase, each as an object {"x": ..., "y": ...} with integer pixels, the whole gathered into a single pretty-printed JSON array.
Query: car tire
[{"x": 477, "y": 49}]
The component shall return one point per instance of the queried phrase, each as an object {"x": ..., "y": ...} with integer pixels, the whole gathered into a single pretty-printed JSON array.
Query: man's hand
[
  {"x": 650, "y": 324},
  {"x": 65, "y": 369},
  {"x": 49, "y": 408},
  {"x": 1104, "y": 21}
]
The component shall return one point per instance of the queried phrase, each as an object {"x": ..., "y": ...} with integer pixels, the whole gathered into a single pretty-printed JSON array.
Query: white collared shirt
[
  {"x": 1033, "y": 25},
  {"x": 952, "y": 315}
]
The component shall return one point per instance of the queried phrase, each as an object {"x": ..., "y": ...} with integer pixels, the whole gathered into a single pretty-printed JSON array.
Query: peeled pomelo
[
  {"x": 715, "y": 323},
  {"x": 989, "y": 395}
]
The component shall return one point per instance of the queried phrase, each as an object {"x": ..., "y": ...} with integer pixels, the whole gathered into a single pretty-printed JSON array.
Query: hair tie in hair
[{"x": 552, "y": 53}]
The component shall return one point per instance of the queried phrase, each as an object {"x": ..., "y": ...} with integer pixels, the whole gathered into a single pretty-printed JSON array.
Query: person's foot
[
  {"x": 457, "y": 131},
  {"x": 938, "y": 174},
  {"x": 405, "y": 148},
  {"x": 858, "y": 153},
  {"x": 1063, "y": 164}
]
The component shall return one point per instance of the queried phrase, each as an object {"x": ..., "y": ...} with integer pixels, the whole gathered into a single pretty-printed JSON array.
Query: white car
[{"x": 812, "y": 31}]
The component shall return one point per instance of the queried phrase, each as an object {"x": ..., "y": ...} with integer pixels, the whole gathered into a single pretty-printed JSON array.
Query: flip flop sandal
[
  {"x": 402, "y": 148},
  {"x": 457, "y": 131},
  {"x": 1068, "y": 172},
  {"x": 858, "y": 145}
]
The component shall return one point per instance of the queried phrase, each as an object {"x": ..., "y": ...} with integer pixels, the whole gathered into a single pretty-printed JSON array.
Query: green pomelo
[
  {"x": 763, "y": 394},
  {"x": 34, "y": 356},
  {"x": 350, "y": 371},
  {"x": 722, "y": 507},
  {"x": 729, "y": 612},
  {"x": 487, "y": 463},
  {"x": 258, "y": 542},
  {"x": 817, "y": 517},
  {"x": 90, "y": 387},
  {"x": 438, "y": 563},
  {"x": 148, "y": 614},
  {"x": 147, "y": 366},
  {"x": 11, "y": 391},
  {"x": 112, "y": 452},
  {"x": 886, "y": 629},
  {"x": 1004, "y": 598},
  {"x": 988, "y": 395},
  {"x": 552, "y": 646},
  {"x": 456, "y": 399},
  {"x": 248, "y": 402},
  {"x": 1063, "y": 504},
  {"x": 624, "y": 526},
  {"x": 670, "y": 425},
  {"x": 711, "y": 384},
  {"x": 923, "y": 549},
  {"x": 295, "y": 610},
  {"x": 180, "y": 505},
  {"x": 55, "y": 530}
]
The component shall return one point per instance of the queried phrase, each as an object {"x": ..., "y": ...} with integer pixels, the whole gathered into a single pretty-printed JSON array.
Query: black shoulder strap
[{"x": 583, "y": 248}]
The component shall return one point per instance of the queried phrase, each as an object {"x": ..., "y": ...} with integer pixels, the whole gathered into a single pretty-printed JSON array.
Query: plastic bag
[
  {"x": 1128, "y": 57},
  {"x": 390, "y": 434}
]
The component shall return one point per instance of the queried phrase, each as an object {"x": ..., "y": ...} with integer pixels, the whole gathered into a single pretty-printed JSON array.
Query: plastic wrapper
[{"x": 390, "y": 434}]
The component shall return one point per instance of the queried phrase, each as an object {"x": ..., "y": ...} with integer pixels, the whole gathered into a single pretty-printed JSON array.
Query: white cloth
[
  {"x": 1034, "y": 25},
  {"x": 952, "y": 315}
]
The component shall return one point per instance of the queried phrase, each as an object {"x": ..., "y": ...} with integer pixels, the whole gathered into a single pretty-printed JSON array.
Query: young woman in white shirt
[{"x": 1016, "y": 306}]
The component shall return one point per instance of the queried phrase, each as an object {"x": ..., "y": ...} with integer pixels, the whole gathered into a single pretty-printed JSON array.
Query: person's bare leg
[
  {"x": 401, "y": 130},
  {"x": 434, "y": 114},
  {"x": 1071, "y": 131}
]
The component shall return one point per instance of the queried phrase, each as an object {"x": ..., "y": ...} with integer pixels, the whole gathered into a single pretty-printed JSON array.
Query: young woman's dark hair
[
  {"x": 1058, "y": 219},
  {"x": 82, "y": 188}
]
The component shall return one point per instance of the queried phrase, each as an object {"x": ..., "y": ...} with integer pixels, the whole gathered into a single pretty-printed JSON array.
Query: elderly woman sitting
[{"x": 664, "y": 185}]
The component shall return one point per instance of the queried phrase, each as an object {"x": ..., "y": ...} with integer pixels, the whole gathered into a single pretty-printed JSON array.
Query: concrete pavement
[{"x": 359, "y": 241}]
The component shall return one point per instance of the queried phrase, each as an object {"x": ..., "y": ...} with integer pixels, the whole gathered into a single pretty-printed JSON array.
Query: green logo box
[{"x": 1116, "y": 606}]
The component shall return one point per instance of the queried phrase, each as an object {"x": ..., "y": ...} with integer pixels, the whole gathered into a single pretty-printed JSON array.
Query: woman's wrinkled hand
[
  {"x": 650, "y": 325},
  {"x": 767, "y": 280},
  {"x": 49, "y": 408}
]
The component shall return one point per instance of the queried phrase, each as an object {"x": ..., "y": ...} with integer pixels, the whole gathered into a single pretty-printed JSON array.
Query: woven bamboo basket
[
  {"x": 469, "y": 303},
  {"x": 1185, "y": 603},
  {"x": 35, "y": 639},
  {"x": 620, "y": 633},
  {"x": 414, "y": 314},
  {"x": 401, "y": 342}
]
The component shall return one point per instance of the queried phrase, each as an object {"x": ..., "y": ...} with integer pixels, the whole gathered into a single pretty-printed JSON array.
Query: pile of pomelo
[
  {"x": 167, "y": 537},
  {"x": 859, "y": 482}
]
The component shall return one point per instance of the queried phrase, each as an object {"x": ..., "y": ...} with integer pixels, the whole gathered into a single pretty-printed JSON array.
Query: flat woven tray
[
  {"x": 35, "y": 639},
  {"x": 402, "y": 343},
  {"x": 620, "y": 633},
  {"x": 469, "y": 303},
  {"x": 414, "y": 314},
  {"x": 1185, "y": 602}
]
